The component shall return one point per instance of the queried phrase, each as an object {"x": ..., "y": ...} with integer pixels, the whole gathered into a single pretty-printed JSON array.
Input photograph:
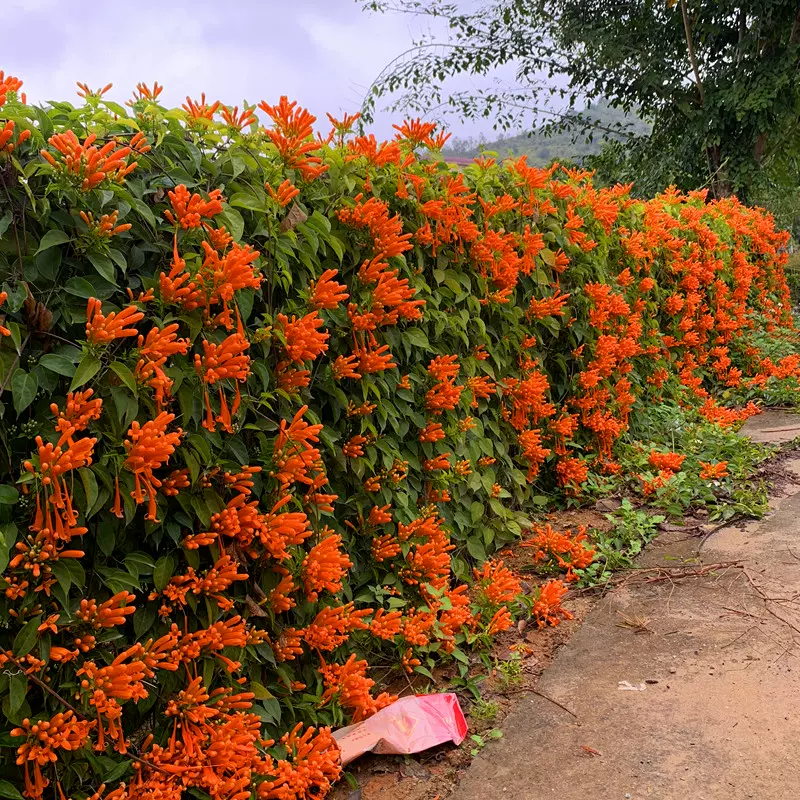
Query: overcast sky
[{"x": 322, "y": 53}]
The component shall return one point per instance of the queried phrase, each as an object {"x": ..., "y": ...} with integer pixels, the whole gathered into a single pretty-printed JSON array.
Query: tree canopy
[{"x": 717, "y": 79}]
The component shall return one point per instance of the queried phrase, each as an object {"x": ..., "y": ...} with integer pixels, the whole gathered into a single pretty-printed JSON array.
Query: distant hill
[{"x": 541, "y": 149}]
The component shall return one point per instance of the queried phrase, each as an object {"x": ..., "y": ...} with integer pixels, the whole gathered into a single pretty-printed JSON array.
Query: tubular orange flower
[
  {"x": 219, "y": 362},
  {"x": 498, "y": 584},
  {"x": 303, "y": 341},
  {"x": 292, "y": 136},
  {"x": 200, "y": 110},
  {"x": 109, "y": 614},
  {"x": 666, "y": 461},
  {"x": 191, "y": 208},
  {"x": 547, "y": 609},
  {"x": 239, "y": 120},
  {"x": 350, "y": 686},
  {"x": 284, "y": 194},
  {"x": 6, "y": 134},
  {"x": 713, "y": 472},
  {"x": 310, "y": 767},
  {"x": 85, "y": 92},
  {"x": 43, "y": 738},
  {"x": 326, "y": 292},
  {"x": 101, "y": 329},
  {"x": 501, "y": 621},
  {"x": 149, "y": 447},
  {"x": 89, "y": 165},
  {"x": 325, "y": 566}
]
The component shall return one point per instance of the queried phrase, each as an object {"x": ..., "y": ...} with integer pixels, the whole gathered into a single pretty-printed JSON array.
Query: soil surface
[{"x": 682, "y": 682}]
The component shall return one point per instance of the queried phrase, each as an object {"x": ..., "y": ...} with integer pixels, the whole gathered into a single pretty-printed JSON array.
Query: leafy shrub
[{"x": 267, "y": 398}]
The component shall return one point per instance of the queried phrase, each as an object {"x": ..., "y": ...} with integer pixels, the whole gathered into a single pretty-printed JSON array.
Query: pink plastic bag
[{"x": 409, "y": 725}]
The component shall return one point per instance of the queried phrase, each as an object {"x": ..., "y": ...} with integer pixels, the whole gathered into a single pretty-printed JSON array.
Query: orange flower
[
  {"x": 101, "y": 329},
  {"x": 432, "y": 432},
  {"x": 325, "y": 566},
  {"x": 285, "y": 193},
  {"x": 497, "y": 583},
  {"x": 219, "y": 362},
  {"x": 109, "y": 614},
  {"x": 89, "y": 165},
  {"x": 332, "y": 625},
  {"x": 481, "y": 388},
  {"x": 350, "y": 686},
  {"x": 547, "y": 609},
  {"x": 326, "y": 292},
  {"x": 310, "y": 768},
  {"x": 501, "y": 621},
  {"x": 191, "y": 208},
  {"x": 293, "y": 137},
  {"x": 201, "y": 110},
  {"x": 239, "y": 120},
  {"x": 345, "y": 367},
  {"x": 355, "y": 446},
  {"x": 713, "y": 472},
  {"x": 106, "y": 227},
  {"x": 379, "y": 515},
  {"x": 149, "y": 447},
  {"x": 532, "y": 451},
  {"x": 61, "y": 732},
  {"x": 7, "y": 132},
  {"x": 666, "y": 461},
  {"x": 303, "y": 341},
  {"x": 438, "y": 463},
  {"x": 80, "y": 411}
]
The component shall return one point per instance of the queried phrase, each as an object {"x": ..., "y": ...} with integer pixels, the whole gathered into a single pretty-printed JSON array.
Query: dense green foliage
[{"x": 268, "y": 399}]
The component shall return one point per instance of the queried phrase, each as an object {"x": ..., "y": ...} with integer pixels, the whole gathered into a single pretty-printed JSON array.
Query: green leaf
[
  {"x": 260, "y": 692},
  {"x": 104, "y": 266},
  {"x": 7, "y": 540},
  {"x": 58, "y": 364},
  {"x": 26, "y": 638},
  {"x": 24, "y": 386},
  {"x": 248, "y": 201},
  {"x": 124, "y": 374},
  {"x": 87, "y": 369},
  {"x": 476, "y": 511},
  {"x": 89, "y": 486},
  {"x": 9, "y": 791},
  {"x": 5, "y": 221},
  {"x": 163, "y": 571},
  {"x": 475, "y": 549},
  {"x": 416, "y": 337},
  {"x": 18, "y": 688},
  {"x": 8, "y": 495},
  {"x": 117, "y": 772},
  {"x": 233, "y": 221},
  {"x": 51, "y": 239}
]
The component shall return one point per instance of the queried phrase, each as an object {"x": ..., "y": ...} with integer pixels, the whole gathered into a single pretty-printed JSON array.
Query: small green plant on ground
[
  {"x": 482, "y": 741},
  {"x": 484, "y": 710},
  {"x": 616, "y": 549},
  {"x": 509, "y": 671}
]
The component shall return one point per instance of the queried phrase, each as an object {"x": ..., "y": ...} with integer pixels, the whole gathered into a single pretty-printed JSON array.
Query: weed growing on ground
[
  {"x": 484, "y": 710},
  {"x": 509, "y": 671},
  {"x": 482, "y": 741}
]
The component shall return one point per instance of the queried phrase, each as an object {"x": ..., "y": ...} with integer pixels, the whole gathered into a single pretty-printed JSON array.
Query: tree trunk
[{"x": 720, "y": 186}]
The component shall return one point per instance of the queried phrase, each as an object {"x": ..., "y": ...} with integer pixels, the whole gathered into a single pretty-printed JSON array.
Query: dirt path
[{"x": 685, "y": 689}]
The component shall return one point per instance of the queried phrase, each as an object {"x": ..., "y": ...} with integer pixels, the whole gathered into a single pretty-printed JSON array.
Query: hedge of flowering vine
[{"x": 273, "y": 398}]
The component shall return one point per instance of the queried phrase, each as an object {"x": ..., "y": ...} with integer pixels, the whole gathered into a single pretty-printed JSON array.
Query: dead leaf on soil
[
  {"x": 636, "y": 623},
  {"x": 590, "y": 750}
]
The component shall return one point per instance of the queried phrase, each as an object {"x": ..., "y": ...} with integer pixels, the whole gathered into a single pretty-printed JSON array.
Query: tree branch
[{"x": 690, "y": 46}]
